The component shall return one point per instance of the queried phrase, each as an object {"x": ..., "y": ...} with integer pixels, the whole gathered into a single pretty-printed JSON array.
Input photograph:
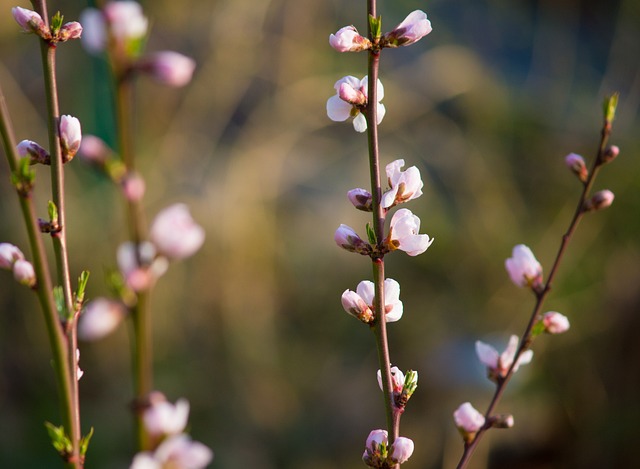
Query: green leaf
[
  {"x": 59, "y": 440},
  {"x": 58, "y": 295},
  {"x": 53, "y": 213},
  {"x": 84, "y": 442},
  {"x": 371, "y": 235},
  {"x": 375, "y": 25},
  {"x": 56, "y": 23},
  {"x": 82, "y": 285},
  {"x": 609, "y": 107}
]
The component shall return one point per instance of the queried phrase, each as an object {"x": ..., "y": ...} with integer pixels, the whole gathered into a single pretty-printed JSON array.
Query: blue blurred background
[{"x": 251, "y": 330}]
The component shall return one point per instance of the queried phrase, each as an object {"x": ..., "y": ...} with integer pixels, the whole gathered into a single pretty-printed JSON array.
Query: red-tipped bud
[
  {"x": 599, "y": 201},
  {"x": 610, "y": 154},
  {"x": 72, "y": 30},
  {"x": 577, "y": 166}
]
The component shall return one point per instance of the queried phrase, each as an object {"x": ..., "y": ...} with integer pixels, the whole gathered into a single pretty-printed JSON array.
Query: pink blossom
[
  {"x": 468, "y": 419},
  {"x": 71, "y": 30},
  {"x": 365, "y": 291},
  {"x": 175, "y": 234},
  {"x": 403, "y": 233},
  {"x": 176, "y": 452},
  {"x": 405, "y": 185},
  {"x": 498, "y": 365},
  {"x": 555, "y": 323},
  {"x": 577, "y": 165},
  {"x": 29, "y": 20},
  {"x": 169, "y": 68},
  {"x": 94, "y": 150},
  {"x": 126, "y": 20},
  {"x": 94, "y": 37},
  {"x": 9, "y": 254},
  {"x": 133, "y": 187},
  {"x": 24, "y": 273},
  {"x": 164, "y": 418},
  {"x": 34, "y": 151},
  {"x": 397, "y": 379},
  {"x": 401, "y": 450},
  {"x": 347, "y": 39},
  {"x": 413, "y": 28},
  {"x": 348, "y": 239},
  {"x": 600, "y": 200},
  {"x": 524, "y": 269},
  {"x": 70, "y": 136},
  {"x": 99, "y": 318},
  {"x": 347, "y": 102},
  {"x": 140, "y": 270},
  {"x": 375, "y": 451},
  {"x": 361, "y": 199}
]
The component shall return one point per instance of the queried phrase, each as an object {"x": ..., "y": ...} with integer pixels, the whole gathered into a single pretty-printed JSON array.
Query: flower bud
[
  {"x": 99, "y": 318},
  {"x": 23, "y": 272},
  {"x": 356, "y": 306},
  {"x": 175, "y": 234},
  {"x": 468, "y": 420},
  {"x": 35, "y": 152},
  {"x": 397, "y": 379},
  {"x": 347, "y": 39},
  {"x": 126, "y": 21},
  {"x": 361, "y": 199},
  {"x": 30, "y": 22},
  {"x": 376, "y": 451},
  {"x": 577, "y": 165},
  {"x": 523, "y": 268},
  {"x": 9, "y": 254},
  {"x": 71, "y": 30},
  {"x": 169, "y": 68},
  {"x": 501, "y": 421},
  {"x": 348, "y": 239},
  {"x": 610, "y": 154},
  {"x": 599, "y": 200},
  {"x": 414, "y": 27},
  {"x": 351, "y": 95},
  {"x": 555, "y": 323},
  {"x": 133, "y": 187},
  {"x": 94, "y": 150},
  {"x": 70, "y": 137},
  {"x": 401, "y": 450}
]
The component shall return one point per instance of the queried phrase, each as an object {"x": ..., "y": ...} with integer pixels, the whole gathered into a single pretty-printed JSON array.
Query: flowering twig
[{"x": 526, "y": 271}]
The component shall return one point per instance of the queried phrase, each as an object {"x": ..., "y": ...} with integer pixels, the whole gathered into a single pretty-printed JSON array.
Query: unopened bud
[
  {"x": 35, "y": 152},
  {"x": 555, "y": 323},
  {"x": 23, "y": 272},
  {"x": 72, "y": 30},
  {"x": 501, "y": 421},
  {"x": 599, "y": 200},
  {"x": 30, "y": 22},
  {"x": 347, "y": 39},
  {"x": 70, "y": 137},
  {"x": 9, "y": 254},
  {"x": 169, "y": 68},
  {"x": 351, "y": 95},
  {"x": 133, "y": 187},
  {"x": 94, "y": 150},
  {"x": 348, "y": 239},
  {"x": 361, "y": 199},
  {"x": 577, "y": 165},
  {"x": 610, "y": 154}
]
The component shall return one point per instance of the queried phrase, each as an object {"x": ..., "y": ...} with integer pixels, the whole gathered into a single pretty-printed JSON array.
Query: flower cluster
[
  {"x": 31, "y": 22},
  {"x": 121, "y": 27},
  {"x": 378, "y": 454},
  {"x": 166, "y": 423},
  {"x": 11, "y": 258}
]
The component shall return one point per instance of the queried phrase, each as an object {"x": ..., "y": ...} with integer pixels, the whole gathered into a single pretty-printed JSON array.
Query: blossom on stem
[
  {"x": 99, "y": 318},
  {"x": 599, "y": 200},
  {"x": 498, "y": 365},
  {"x": 376, "y": 451},
  {"x": 555, "y": 323},
  {"x": 9, "y": 254},
  {"x": 121, "y": 23},
  {"x": 94, "y": 150},
  {"x": 413, "y": 28},
  {"x": 610, "y": 153},
  {"x": 169, "y": 68},
  {"x": 404, "y": 185},
  {"x": 163, "y": 418},
  {"x": 397, "y": 379},
  {"x": 70, "y": 137},
  {"x": 351, "y": 99},
  {"x": 347, "y": 39},
  {"x": 176, "y": 452},
  {"x": 577, "y": 166},
  {"x": 403, "y": 233},
  {"x": 34, "y": 151},
  {"x": 139, "y": 265},
  {"x": 30, "y": 21},
  {"x": 174, "y": 232},
  {"x": 126, "y": 20},
  {"x": 524, "y": 269},
  {"x": 401, "y": 450},
  {"x": 71, "y": 30},
  {"x": 361, "y": 199},
  {"x": 468, "y": 420},
  {"x": 133, "y": 187},
  {"x": 360, "y": 302},
  {"x": 24, "y": 273},
  {"x": 348, "y": 239}
]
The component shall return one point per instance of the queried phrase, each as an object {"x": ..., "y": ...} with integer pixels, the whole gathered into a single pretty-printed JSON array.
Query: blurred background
[{"x": 251, "y": 330}]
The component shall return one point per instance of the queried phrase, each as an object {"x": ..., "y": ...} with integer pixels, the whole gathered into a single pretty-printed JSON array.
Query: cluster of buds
[
  {"x": 378, "y": 454},
  {"x": 121, "y": 28},
  {"x": 11, "y": 258},
  {"x": 166, "y": 423},
  {"x": 70, "y": 137},
  {"x": 31, "y": 22}
]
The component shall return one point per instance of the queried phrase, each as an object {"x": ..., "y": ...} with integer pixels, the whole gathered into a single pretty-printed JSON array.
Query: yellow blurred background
[{"x": 251, "y": 330}]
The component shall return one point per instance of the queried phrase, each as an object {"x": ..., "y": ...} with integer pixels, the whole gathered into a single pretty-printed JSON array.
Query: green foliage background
[{"x": 251, "y": 330}]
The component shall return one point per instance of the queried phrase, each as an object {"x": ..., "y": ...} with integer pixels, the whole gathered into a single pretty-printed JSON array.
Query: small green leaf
[
  {"x": 59, "y": 440},
  {"x": 82, "y": 285},
  {"x": 609, "y": 107},
  {"x": 53, "y": 213},
  {"x": 375, "y": 25},
  {"x": 538, "y": 329},
  {"x": 58, "y": 296},
  {"x": 371, "y": 235},
  {"x": 56, "y": 23},
  {"x": 24, "y": 177},
  {"x": 84, "y": 442}
]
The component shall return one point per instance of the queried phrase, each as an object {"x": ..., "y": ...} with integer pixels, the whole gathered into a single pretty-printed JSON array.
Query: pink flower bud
[
  {"x": 23, "y": 272},
  {"x": 361, "y": 199},
  {"x": 9, "y": 254},
  {"x": 133, "y": 187},
  {"x": 72, "y": 30},
  {"x": 523, "y": 268},
  {"x": 403, "y": 233},
  {"x": 401, "y": 450},
  {"x": 610, "y": 154},
  {"x": 501, "y": 421},
  {"x": 375, "y": 451},
  {"x": 577, "y": 165},
  {"x": 468, "y": 420},
  {"x": 99, "y": 318},
  {"x": 348, "y": 239},
  {"x": 356, "y": 306},
  {"x": 405, "y": 185},
  {"x": 35, "y": 152},
  {"x": 414, "y": 27},
  {"x": 555, "y": 323},
  {"x": 29, "y": 21},
  {"x": 351, "y": 95},
  {"x": 169, "y": 68},
  {"x": 163, "y": 418},
  {"x": 70, "y": 136},
  {"x": 498, "y": 365},
  {"x": 397, "y": 379},
  {"x": 126, "y": 20},
  {"x": 94, "y": 150},
  {"x": 140, "y": 270},
  {"x": 347, "y": 39},
  {"x": 175, "y": 234},
  {"x": 599, "y": 200}
]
